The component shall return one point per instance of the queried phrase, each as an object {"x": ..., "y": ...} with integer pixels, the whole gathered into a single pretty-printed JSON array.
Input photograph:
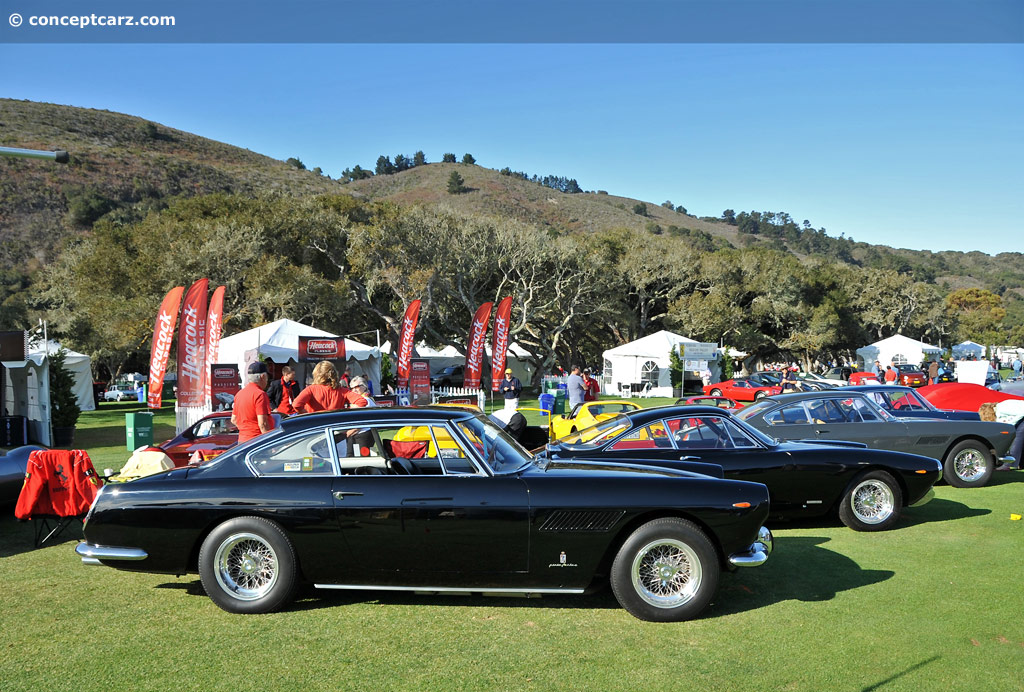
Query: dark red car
[
  {"x": 741, "y": 390},
  {"x": 210, "y": 435}
]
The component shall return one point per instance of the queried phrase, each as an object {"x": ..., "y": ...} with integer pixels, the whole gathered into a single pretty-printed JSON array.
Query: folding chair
[{"x": 59, "y": 488}]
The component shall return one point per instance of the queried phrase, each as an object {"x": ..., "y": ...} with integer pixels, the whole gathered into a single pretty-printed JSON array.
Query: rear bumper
[
  {"x": 758, "y": 552},
  {"x": 94, "y": 554}
]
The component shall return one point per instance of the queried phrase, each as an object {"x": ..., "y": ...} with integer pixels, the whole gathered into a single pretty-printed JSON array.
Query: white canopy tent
[
  {"x": 642, "y": 361},
  {"x": 27, "y": 393},
  {"x": 80, "y": 366},
  {"x": 279, "y": 341},
  {"x": 897, "y": 350},
  {"x": 968, "y": 349}
]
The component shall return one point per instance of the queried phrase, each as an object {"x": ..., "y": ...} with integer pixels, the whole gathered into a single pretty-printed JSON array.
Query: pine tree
[
  {"x": 448, "y": 158},
  {"x": 468, "y": 158},
  {"x": 419, "y": 159},
  {"x": 455, "y": 182}
]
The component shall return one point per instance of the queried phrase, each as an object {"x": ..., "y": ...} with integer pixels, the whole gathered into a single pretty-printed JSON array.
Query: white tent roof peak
[
  {"x": 657, "y": 344},
  {"x": 897, "y": 341}
]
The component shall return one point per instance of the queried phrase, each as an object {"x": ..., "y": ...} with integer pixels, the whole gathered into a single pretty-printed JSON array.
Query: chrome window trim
[{"x": 455, "y": 432}]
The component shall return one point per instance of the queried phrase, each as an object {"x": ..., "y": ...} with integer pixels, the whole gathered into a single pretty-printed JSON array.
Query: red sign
[
  {"x": 419, "y": 382},
  {"x": 214, "y": 325},
  {"x": 405, "y": 342},
  {"x": 163, "y": 337},
  {"x": 475, "y": 350},
  {"x": 317, "y": 348},
  {"x": 224, "y": 380},
  {"x": 192, "y": 346},
  {"x": 500, "y": 346}
]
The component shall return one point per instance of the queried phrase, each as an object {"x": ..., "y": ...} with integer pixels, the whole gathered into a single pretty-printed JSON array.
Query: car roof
[
  {"x": 839, "y": 393},
  {"x": 877, "y": 388}
]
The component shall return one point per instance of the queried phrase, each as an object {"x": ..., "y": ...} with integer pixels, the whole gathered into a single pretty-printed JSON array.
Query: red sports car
[
  {"x": 863, "y": 377},
  {"x": 211, "y": 435},
  {"x": 741, "y": 390},
  {"x": 721, "y": 402}
]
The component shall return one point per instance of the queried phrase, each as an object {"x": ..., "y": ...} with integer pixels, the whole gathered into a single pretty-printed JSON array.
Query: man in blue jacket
[{"x": 510, "y": 387}]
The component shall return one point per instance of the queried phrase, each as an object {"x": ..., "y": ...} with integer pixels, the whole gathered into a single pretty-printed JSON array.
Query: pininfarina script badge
[{"x": 562, "y": 562}]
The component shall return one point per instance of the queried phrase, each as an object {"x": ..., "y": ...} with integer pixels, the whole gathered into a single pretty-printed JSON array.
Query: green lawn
[{"x": 933, "y": 605}]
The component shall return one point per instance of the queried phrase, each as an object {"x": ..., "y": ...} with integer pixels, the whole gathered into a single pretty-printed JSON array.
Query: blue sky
[{"x": 917, "y": 146}]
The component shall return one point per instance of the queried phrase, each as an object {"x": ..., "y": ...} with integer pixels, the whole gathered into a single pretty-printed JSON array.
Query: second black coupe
[{"x": 868, "y": 488}]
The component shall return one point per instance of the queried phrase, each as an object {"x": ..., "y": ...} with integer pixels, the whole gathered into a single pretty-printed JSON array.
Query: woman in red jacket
[{"x": 325, "y": 394}]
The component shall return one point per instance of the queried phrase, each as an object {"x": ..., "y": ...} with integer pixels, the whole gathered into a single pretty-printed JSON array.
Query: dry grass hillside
[
  {"x": 490, "y": 192},
  {"x": 116, "y": 160}
]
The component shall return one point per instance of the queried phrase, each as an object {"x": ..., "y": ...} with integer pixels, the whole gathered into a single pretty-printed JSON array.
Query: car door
[
  {"x": 447, "y": 521},
  {"x": 794, "y": 481}
]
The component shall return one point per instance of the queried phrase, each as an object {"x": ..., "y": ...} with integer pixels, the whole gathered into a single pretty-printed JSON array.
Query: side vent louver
[{"x": 576, "y": 520}]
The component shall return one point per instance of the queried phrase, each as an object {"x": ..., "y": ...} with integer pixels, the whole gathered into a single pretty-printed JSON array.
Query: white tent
[
  {"x": 80, "y": 366},
  {"x": 641, "y": 361},
  {"x": 27, "y": 393},
  {"x": 279, "y": 341},
  {"x": 968, "y": 349},
  {"x": 896, "y": 349}
]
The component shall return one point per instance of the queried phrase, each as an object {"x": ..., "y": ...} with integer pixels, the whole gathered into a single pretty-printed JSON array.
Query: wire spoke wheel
[
  {"x": 666, "y": 573},
  {"x": 872, "y": 502},
  {"x": 246, "y": 566}
]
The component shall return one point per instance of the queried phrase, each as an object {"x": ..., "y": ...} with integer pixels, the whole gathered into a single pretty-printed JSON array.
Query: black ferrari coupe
[
  {"x": 429, "y": 499},
  {"x": 868, "y": 488}
]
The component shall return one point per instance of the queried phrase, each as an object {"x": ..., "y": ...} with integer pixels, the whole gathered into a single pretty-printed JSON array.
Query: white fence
[
  {"x": 186, "y": 416},
  {"x": 436, "y": 392}
]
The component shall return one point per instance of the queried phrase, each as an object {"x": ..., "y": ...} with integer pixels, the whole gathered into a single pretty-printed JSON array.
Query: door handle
[
  {"x": 688, "y": 458},
  {"x": 818, "y": 432},
  {"x": 340, "y": 494}
]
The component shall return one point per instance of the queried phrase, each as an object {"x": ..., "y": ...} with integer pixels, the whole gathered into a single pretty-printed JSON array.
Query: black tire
[
  {"x": 968, "y": 465},
  {"x": 759, "y": 395},
  {"x": 872, "y": 503},
  {"x": 248, "y": 565},
  {"x": 716, "y": 392},
  {"x": 659, "y": 550}
]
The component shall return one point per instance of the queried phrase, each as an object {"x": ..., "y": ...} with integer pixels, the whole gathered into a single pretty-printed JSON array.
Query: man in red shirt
[
  {"x": 251, "y": 413},
  {"x": 890, "y": 375}
]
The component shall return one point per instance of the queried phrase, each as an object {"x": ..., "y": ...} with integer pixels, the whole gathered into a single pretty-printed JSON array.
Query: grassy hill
[
  {"x": 119, "y": 163},
  {"x": 124, "y": 166}
]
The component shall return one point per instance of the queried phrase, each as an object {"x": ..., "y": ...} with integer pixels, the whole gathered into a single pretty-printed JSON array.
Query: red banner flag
[
  {"x": 499, "y": 347},
  {"x": 163, "y": 337},
  {"x": 214, "y": 326},
  {"x": 406, "y": 342},
  {"x": 475, "y": 351},
  {"x": 192, "y": 346}
]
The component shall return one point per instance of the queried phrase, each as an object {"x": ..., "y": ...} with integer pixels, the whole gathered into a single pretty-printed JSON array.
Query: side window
[
  {"x": 302, "y": 455},
  {"x": 864, "y": 412},
  {"x": 739, "y": 438},
  {"x": 702, "y": 433},
  {"x": 653, "y": 436},
  {"x": 790, "y": 415}
]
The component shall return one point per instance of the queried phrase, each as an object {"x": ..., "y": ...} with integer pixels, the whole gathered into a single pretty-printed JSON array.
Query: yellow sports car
[{"x": 587, "y": 414}]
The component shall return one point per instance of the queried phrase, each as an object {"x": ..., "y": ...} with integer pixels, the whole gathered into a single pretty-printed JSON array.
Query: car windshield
[{"x": 502, "y": 453}]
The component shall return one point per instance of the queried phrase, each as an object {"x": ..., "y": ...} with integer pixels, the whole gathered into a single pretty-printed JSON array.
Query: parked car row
[{"x": 657, "y": 502}]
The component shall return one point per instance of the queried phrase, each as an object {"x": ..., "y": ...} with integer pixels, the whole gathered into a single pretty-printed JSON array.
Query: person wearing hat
[
  {"x": 510, "y": 388},
  {"x": 251, "y": 413}
]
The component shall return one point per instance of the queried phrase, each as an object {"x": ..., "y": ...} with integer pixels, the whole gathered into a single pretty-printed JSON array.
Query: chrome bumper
[
  {"x": 757, "y": 554},
  {"x": 928, "y": 497},
  {"x": 1008, "y": 459},
  {"x": 92, "y": 554}
]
